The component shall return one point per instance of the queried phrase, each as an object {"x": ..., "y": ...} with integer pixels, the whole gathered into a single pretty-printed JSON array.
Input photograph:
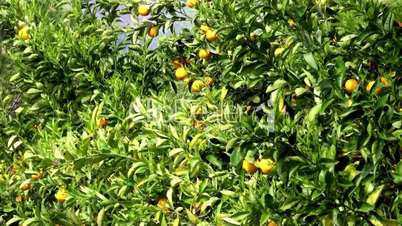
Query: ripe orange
[
  {"x": 181, "y": 73},
  {"x": 103, "y": 122},
  {"x": 61, "y": 195},
  {"x": 266, "y": 165},
  {"x": 23, "y": 33},
  {"x": 19, "y": 199},
  {"x": 385, "y": 81},
  {"x": 209, "y": 81},
  {"x": 272, "y": 223},
  {"x": 25, "y": 186},
  {"x": 211, "y": 36},
  {"x": 204, "y": 28},
  {"x": 153, "y": 31},
  {"x": 351, "y": 85},
  {"x": 291, "y": 23},
  {"x": 144, "y": 10},
  {"x": 253, "y": 36},
  {"x": 278, "y": 51},
  {"x": 163, "y": 204},
  {"x": 204, "y": 54},
  {"x": 370, "y": 85},
  {"x": 197, "y": 86},
  {"x": 191, "y": 3},
  {"x": 177, "y": 63},
  {"x": 249, "y": 167},
  {"x": 37, "y": 176}
]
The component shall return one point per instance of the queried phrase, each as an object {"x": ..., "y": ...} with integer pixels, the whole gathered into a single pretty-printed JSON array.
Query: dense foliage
[{"x": 263, "y": 112}]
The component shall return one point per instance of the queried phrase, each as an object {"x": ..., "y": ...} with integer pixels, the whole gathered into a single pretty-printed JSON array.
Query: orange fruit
[
  {"x": 177, "y": 63},
  {"x": 197, "y": 86},
  {"x": 103, "y": 122},
  {"x": 209, "y": 81},
  {"x": 204, "y": 28},
  {"x": 181, "y": 73},
  {"x": 23, "y": 33},
  {"x": 351, "y": 85},
  {"x": 272, "y": 223},
  {"x": 385, "y": 81},
  {"x": 163, "y": 204},
  {"x": 25, "y": 186},
  {"x": 278, "y": 51},
  {"x": 144, "y": 10},
  {"x": 253, "y": 36},
  {"x": 291, "y": 23},
  {"x": 37, "y": 176},
  {"x": 191, "y": 3},
  {"x": 249, "y": 167},
  {"x": 204, "y": 54},
  {"x": 61, "y": 195},
  {"x": 266, "y": 165},
  {"x": 19, "y": 199},
  {"x": 153, "y": 31},
  {"x": 211, "y": 36},
  {"x": 370, "y": 85}
]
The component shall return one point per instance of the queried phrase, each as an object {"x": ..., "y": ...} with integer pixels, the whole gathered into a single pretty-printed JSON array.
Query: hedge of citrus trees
[{"x": 263, "y": 112}]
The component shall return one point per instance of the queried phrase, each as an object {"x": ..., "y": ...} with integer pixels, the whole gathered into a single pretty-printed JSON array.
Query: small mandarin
[
  {"x": 249, "y": 167},
  {"x": 204, "y": 54},
  {"x": 197, "y": 86},
  {"x": 211, "y": 36},
  {"x": 144, "y": 10},
  {"x": 181, "y": 73},
  {"x": 351, "y": 85}
]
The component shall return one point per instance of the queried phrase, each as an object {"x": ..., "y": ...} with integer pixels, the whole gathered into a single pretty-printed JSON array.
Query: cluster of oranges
[
  {"x": 23, "y": 33},
  {"x": 181, "y": 72},
  {"x": 60, "y": 196},
  {"x": 266, "y": 166},
  {"x": 145, "y": 10},
  {"x": 352, "y": 84}
]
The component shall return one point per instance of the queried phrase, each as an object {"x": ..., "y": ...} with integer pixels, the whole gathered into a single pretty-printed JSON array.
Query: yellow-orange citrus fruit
[
  {"x": 253, "y": 36},
  {"x": 191, "y": 3},
  {"x": 272, "y": 223},
  {"x": 385, "y": 81},
  {"x": 25, "y": 186},
  {"x": 181, "y": 73},
  {"x": 249, "y": 167},
  {"x": 103, "y": 122},
  {"x": 211, "y": 36},
  {"x": 370, "y": 85},
  {"x": 265, "y": 165},
  {"x": 61, "y": 195},
  {"x": 153, "y": 31},
  {"x": 177, "y": 63},
  {"x": 163, "y": 204},
  {"x": 209, "y": 81},
  {"x": 278, "y": 51},
  {"x": 23, "y": 33},
  {"x": 19, "y": 199},
  {"x": 144, "y": 10},
  {"x": 204, "y": 28},
  {"x": 291, "y": 23},
  {"x": 351, "y": 85},
  {"x": 197, "y": 86},
  {"x": 349, "y": 103},
  {"x": 37, "y": 176},
  {"x": 204, "y": 54}
]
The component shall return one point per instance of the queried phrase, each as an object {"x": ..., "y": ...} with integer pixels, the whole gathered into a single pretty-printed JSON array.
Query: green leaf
[
  {"x": 309, "y": 58},
  {"x": 99, "y": 218},
  {"x": 373, "y": 197}
]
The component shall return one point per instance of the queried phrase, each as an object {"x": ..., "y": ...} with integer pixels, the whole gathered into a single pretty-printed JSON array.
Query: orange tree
[{"x": 263, "y": 112}]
